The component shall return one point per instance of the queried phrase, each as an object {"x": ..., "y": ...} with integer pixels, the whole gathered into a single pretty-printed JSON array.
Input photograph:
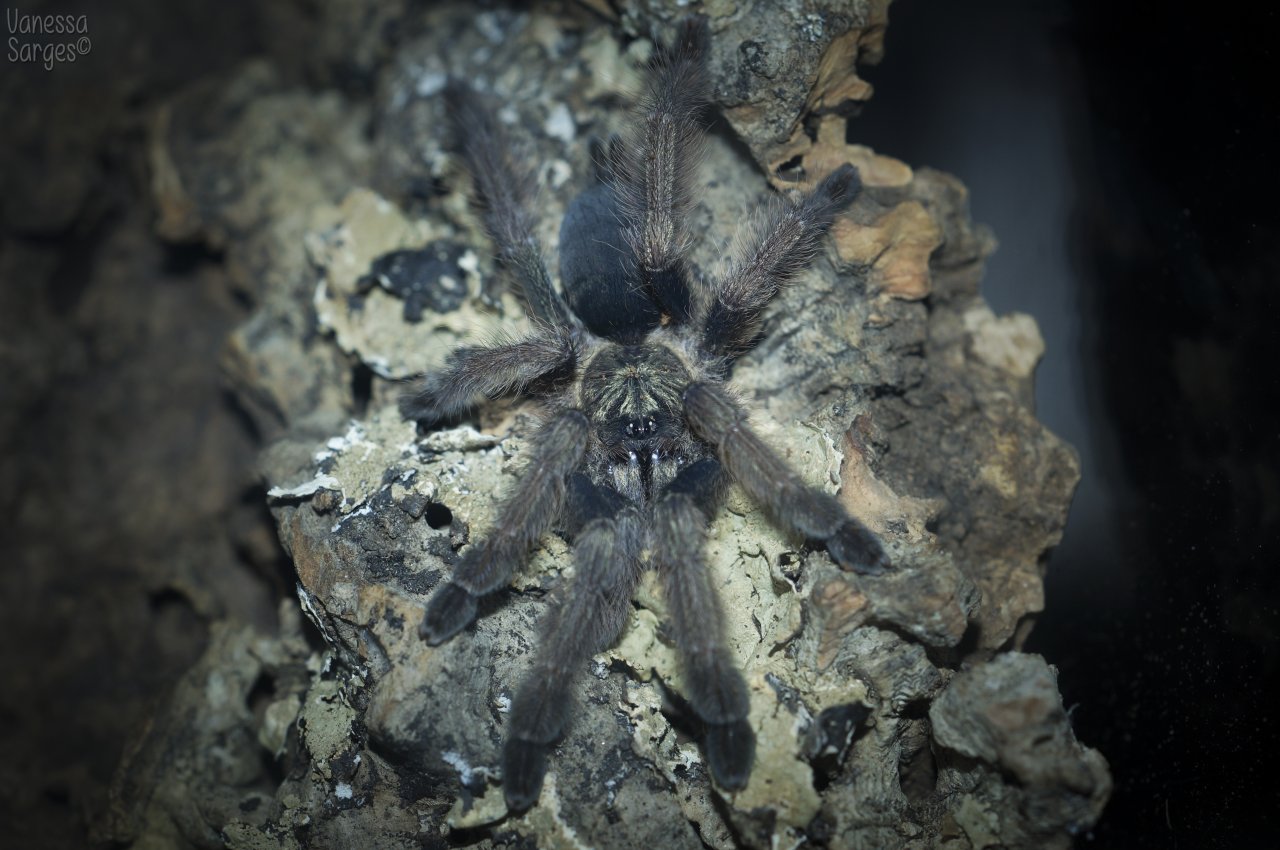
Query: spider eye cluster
[{"x": 641, "y": 427}]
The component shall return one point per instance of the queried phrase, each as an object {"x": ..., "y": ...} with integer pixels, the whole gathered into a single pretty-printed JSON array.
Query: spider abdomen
[{"x": 597, "y": 268}]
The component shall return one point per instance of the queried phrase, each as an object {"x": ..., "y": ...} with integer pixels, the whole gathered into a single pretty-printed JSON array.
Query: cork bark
[{"x": 894, "y": 711}]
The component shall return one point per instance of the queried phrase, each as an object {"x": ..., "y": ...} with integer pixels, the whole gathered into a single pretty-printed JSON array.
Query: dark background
[{"x": 1124, "y": 154}]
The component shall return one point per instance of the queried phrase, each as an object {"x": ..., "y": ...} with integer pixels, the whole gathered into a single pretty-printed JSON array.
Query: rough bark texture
[{"x": 893, "y": 711}]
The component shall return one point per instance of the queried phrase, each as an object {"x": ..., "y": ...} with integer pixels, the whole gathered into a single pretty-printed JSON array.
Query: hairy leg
[
  {"x": 657, "y": 189},
  {"x": 771, "y": 252},
  {"x": 580, "y": 624},
  {"x": 714, "y": 686},
  {"x": 527, "y": 513},
  {"x": 506, "y": 190},
  {"x": 608, "y": 159},
  {"x": 474, "y": 373},
  {"x": 716, "y": 418}
]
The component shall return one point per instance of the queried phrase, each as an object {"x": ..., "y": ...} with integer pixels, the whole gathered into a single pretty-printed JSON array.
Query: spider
[{"x": 641, "y": 434}]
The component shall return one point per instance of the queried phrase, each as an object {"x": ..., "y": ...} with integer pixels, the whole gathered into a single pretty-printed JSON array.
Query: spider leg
[
  {"x": 527, "y": 513},
  {"x": 505, "y": 190},
  {"x": 716, "y": 418},
  {"x": 608, "y": 159},
  {"x": 475, "y": 373},
  {"x": 715, "y": 688},
  {"x": 773, "y": 250},
  {"x": 657, "y": 185},
  {"x": 584, "y": 621}
]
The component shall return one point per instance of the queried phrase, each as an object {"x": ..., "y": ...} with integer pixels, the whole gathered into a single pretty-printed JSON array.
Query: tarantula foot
[
  {"x": 730, "y": 749},
  {"x": 693, "y": 38},
  {"x": 524, "y": 764},
  {"x": 450, "y": 610},
  {"x": 842, "y": 186},
  {"x": 420, "y": 406},
  {"x": 855, "y": 548}
]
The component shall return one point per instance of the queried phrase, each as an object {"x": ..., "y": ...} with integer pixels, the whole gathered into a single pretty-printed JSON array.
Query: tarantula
[{"x": 641, "y": 433}]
